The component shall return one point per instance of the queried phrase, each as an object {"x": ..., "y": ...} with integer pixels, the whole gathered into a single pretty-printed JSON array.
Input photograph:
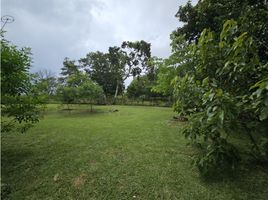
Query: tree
[
  {"x": 67, "y": 95},
  {"x": 131, "y": 60},
  {"x": 77, "y": 87},
  {"x": 207, "y": 14},
  {"x": 19, "y": 107},
  {"x": 45, "y": 84},
  {"x": 163, "y": 84},
  {"x": 69, "y": 67},
  {"x": 254, "y": 21},
  {"x": 99, "y": 68},
  {"x": 71, "y": 78},
  {"x": 220, "y": 88},
  {"x": 220, "y": 72},
  {"x": 141, "y": 87},
  {"x": 117, "y": 61},
  {"x": 67, "y": 91},
  {"x": 138, "y": 54},
  {"x": 111, "y": 69},
  {"x": 252, "y": 16},
  {"x": 90, "y": 92},
  {"x": 177, "y": 64}
]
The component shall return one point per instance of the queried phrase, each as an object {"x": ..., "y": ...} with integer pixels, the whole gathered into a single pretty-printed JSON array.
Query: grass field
[{"x": 136, "y": 153}]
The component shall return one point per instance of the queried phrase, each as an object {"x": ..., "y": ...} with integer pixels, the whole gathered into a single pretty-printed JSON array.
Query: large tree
[
  {"x": 218, "y": 74},
  {"x": 69, "y": 68},
  {"x": 99, "y": 68},
  {"x": 137, "y": 55},
  {"x": 117, "y": 60},
  {"x": 111, "y": 69},
  {"x": 252, "y": 16},
  {"x": 129, "y": 60}
]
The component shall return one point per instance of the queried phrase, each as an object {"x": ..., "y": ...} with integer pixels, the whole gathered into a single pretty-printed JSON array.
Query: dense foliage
[
  {"x": 220, "y": 92},
  {"x": 252, "y": 17},
  {"x": 141, "y": 87},
  {"x": 98, "y": 66},
  {"x": 111, "y": 69},
  {"x": 77, "y": 87},
  {"x": 218, "y": 76},
  {"x": 19, "y": 103},
  {"x": 45, "y": 85}
]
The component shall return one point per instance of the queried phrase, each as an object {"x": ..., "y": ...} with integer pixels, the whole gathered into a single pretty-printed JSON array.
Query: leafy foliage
[
  {"x": 141, "y": 87},
  {"x": 45, "y": 85},
  {"x": 221, "y": 71},
  {"x": 224, "y": 88},
  {"x": 19, "y": 106},
  {"x": 251, "y": 15},
  {"x": 260, "y": 99},
  {"x": 79, "y": 88},
  {"x": 111, "y": 69},
  {"x": 90, "y": 92},
  {"x": 100, "y": 70},
  {"x": 219, "y": 156},
  {"x": 138, "y": 54}
]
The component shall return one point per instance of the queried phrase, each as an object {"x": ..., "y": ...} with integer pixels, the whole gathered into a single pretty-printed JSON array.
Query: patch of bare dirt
[
  {"x": 56, "y": 177},
  {"x": 79, "y": 181}
]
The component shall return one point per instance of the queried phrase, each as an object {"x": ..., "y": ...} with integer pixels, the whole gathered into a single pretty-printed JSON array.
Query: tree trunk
[
  {"x": 116, "y": 91},
  {"x": 91, "y": 105}
]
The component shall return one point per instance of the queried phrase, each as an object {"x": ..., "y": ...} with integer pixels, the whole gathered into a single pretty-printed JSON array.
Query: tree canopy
[
  {"x": 77, "y": 87},
  {"x": 19, "y": 105},
  {"x": 111, "y": 69},
  {"x": 252, "y": 17},
  {"x": 217, "y": 73}
]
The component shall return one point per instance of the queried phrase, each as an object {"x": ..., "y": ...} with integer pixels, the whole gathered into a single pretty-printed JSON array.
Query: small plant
[{"x": 219, "y": 157}]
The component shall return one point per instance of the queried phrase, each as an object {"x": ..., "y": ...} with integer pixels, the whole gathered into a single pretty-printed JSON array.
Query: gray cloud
[{"x": 55, "y": 29}]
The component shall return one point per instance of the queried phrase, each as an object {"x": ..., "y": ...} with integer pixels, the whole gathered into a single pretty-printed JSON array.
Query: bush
[{"x": 226, "y": 91}]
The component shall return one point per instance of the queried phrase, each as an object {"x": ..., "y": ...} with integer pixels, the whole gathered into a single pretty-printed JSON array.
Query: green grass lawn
[{"x": 136, "y": 153}]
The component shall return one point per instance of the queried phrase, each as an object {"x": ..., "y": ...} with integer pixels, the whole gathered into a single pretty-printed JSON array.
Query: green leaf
[
  {"x": 219, "y": 92},
  {"x": 211, "y": 96},
  {"x": 264, "y": 114},
  {"x": 266, "y": 101},
  {"x": 221, "y": 116},
  {"x": 205, "y": 81}
]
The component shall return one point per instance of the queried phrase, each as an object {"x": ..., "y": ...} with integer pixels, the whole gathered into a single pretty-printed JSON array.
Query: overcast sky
[{"x": 56, "y": 29}]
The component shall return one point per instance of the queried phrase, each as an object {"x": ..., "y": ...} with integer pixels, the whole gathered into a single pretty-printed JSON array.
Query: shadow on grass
[
  {"x": 247, "y": 182},
  {"x": 77, "y": 112},
  {"x": 12, "y": 161},
  {"x": 23, "y": 165},
  {"x": 240, "y": 177},
  {"x": 14, "y": 157},
  {"x": 81, "y": 112}
]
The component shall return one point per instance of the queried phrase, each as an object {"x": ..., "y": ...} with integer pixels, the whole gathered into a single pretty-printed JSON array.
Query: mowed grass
[{"x": 136, "y": 153}]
